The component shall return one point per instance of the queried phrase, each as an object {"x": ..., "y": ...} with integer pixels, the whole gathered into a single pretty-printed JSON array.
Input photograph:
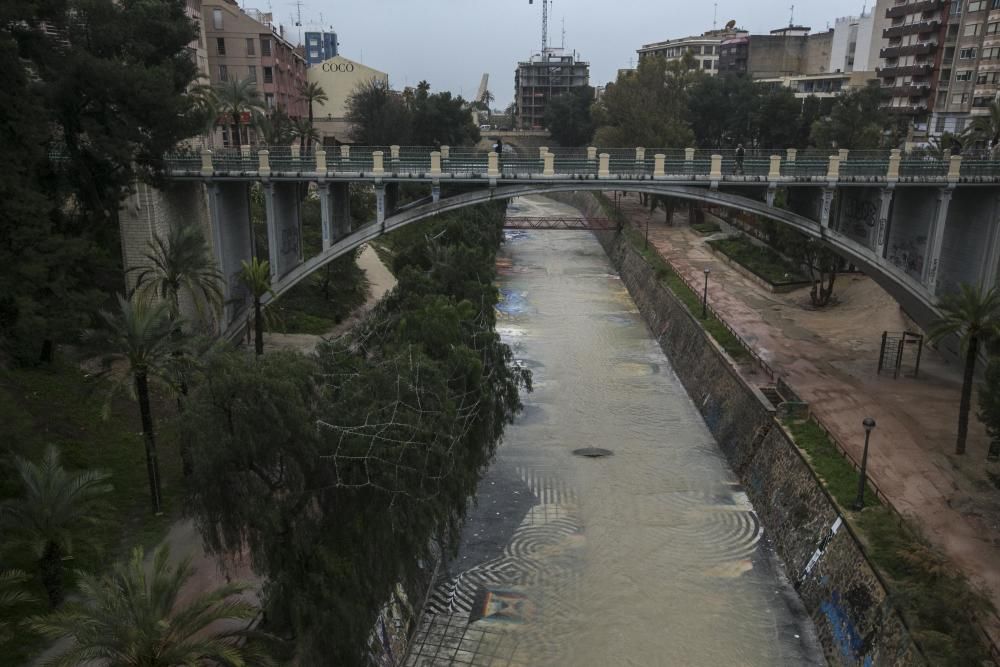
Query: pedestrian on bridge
[{"x": 740, "y": 153}]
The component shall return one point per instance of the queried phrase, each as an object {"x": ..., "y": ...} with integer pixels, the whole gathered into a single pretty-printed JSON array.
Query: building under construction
[{"x": 542, "y": 78}]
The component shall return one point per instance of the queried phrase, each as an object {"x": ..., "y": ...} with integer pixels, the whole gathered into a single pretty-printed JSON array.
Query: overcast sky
[{"x": 452, "y": 43}]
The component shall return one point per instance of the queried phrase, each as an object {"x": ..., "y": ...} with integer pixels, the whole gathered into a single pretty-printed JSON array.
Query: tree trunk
[
  {"x": 152, "y": 466},
  {"x": 187, "y": 460},
  {"x": 258, "y": 327},
  {"x": 51, "y": 568},
  {"x": 238, "y": 140},
  {"x": 966, "y": 403}
]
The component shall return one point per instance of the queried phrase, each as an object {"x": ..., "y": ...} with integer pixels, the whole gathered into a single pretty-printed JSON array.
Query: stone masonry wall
[{"x": 822, "y": 556}]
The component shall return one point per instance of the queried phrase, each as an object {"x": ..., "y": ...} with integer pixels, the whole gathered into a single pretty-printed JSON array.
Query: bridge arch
[{"x": 909, "y": 293}]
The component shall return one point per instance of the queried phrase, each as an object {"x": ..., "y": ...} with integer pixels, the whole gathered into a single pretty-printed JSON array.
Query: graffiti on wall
[{"x": 909, "y": 255}]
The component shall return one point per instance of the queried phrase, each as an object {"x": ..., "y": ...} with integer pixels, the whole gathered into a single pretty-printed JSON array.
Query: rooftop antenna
[
  {"x": 564, "y": 32},
  {"x": 298, "y": 18},
  {"x": 715, "y": 15},
  {"x": 791, "y": 19}
]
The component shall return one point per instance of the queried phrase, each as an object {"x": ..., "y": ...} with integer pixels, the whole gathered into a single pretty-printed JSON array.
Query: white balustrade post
[
  {"x": 493, "y": 165},
  {"x": 640, "y": 154},
  {"x": 321, "y": 160},
  {"x": 296, "y": 150},
  {"x": 774, "y": 172},
  {"x": 378, "y": 166},
  {"x": 895, "y": 158},
  {"x": 592, "y": 153},
  {"x": 833, "y": 168},
  {"x": 206, "y": 163},
  {"x": 659, "y": 160},
  {"x": 244, "y": 150},
  {"x": 954, "y": 168},
  {"x": 264, "y": 162},
  {"x": 842, "y": 154},
  {"x": 394, "y": 152},
  {"x": 791, "y": 154},
  {"x": 435, "y": 163},
  {"x": 550, "y": 164},
  {"x": 445, "y": 152},
  {"x": 716, "y": 172},
  {"x": 542, "y": 151},
  {"x": 688, "y": 160},
  {"x": 345, "y": 152},
  {"x": 604, "y": 166}
]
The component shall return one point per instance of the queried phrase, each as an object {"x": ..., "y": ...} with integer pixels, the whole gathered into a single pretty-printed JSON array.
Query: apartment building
[
  {"x": 244, "y": 44},
  {"x": 968, "y": 79},
  {"x": 320, "y": 46},
  {"x": 706, "y": 49},
  {"x": 912, "y": 55},
  {"x": 542, "y": 78}
]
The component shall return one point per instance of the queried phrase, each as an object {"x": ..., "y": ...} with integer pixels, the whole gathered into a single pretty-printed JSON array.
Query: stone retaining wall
[{"x": 823, "y": 557}]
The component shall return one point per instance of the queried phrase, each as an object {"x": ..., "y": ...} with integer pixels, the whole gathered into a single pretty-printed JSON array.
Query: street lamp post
[
  {"x": 704, "y": 296},
  {"x": 859, "y": 503}
]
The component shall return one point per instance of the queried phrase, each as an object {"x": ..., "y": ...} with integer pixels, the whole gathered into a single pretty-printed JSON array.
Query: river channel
[{"x": 649, "y": 556}]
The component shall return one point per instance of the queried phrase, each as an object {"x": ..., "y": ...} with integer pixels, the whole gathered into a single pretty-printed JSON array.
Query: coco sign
[{"x": 338, "y": 67}]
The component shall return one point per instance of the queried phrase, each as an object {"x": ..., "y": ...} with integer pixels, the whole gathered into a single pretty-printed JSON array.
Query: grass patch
[
  {"x": 762, "y": 261},
  {"x": 324, "y": 299},
  {"x": 665, "y": 273},
  {"x": 706, "y": 228},
  {"x": 938, "y": 604},
  {"x": 60, "y": 406}
]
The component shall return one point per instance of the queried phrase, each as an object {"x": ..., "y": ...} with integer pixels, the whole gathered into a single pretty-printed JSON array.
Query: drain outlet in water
[{"x": 593, "y": 452}]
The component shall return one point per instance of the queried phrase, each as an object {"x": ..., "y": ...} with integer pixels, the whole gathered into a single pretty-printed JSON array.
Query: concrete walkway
[{"x": 830, "y": 358}]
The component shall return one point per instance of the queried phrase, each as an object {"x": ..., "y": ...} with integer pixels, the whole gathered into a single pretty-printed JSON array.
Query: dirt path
[
  {"x": 830, "y": 357},
  {"x": 380, "y": 281}
]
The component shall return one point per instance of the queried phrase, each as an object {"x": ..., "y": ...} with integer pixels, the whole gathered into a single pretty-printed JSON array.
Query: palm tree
[
  {"x": 312, "y": 93},
  {"x": 182, "y": 259},
  {"x": 143, "y": 333},
  {"x": 941, "y": 147},
  {"x": 305, "y": 132},
  {"x": 236, "y": 98},
  {"x": 134, "y": 617},
  {"x": 274, "y": 129},
  {"x": 205, "y": 105},
  {"x": 256, "y": 276},
  {"x": 974, "y": 317},
  {"x": 12, "y": 596},
  {"x": 54, "y": 504}
]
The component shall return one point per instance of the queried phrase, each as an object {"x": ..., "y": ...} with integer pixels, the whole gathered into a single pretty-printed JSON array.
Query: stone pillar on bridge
[
  {"x": 895, "y": 159},
  {"x": 435, "y": 163},
  {"x": 833, "y": 169},
  {"x": 715, "y": 172},
  {"x": 880, "y": 237},
  {"x": 244, "y": 151},
  {"x": 640, "y": 154},
  {"x": 542, "y": 152},
  {"x": 955, "y": 169},
  {"x": 207, "y": 169},
  {"x": 320, "y": 161},
  {"x": 659, "y": 170},
  {"x": 378, "y": 166},
  {"x": 842, "y": 154},
  {"x": 935, "y": 239},
  {"x": 791, "y": 154},
  {"x": 394, "y": 156},
  {"x": 493, "y": 165},
  {"x": 284, "y": 226},
  {"x": 774, "y": 170},
  {"x": 549, "y": 161},
  {"x": 591, "y": 158},
  {"x": 264, "y": 163},
  {"x": 345, "y": 152},
  {"x": 232, "y": 240},
  {"x": 604, "y": 166},
  {"x": 296, "y": 150},
  {"x": 688, "y": 160}
]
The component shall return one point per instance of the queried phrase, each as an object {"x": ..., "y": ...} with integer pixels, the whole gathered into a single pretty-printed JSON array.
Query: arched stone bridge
[{"x": 918, "y": 226}]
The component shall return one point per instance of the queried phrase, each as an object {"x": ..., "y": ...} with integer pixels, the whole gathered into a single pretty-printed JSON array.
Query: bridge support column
[
  {"x": 770, "y": 194},
  {"x": 935, "y": 239},
  {"x": 380, "y": 203},
  {"x": 824, "y": 213},
  {"x": 284, "y": 227},
  {"x": 881, "y": 232},
  {"x": 340, "y": 211},
  {"x": 436, "y": 191},
  {"x": 232, "y": 240}
]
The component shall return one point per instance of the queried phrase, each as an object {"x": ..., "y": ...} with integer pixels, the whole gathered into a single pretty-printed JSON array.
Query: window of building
[
  {"x": 268, "y": 74},
  {"x": 972, "y": 29},
  {"x": 977, "y": 5},
  {"x": 223, "y": 73},
  {"x": 706, "y": 64},
  {"x": 960, "y": 99},
  {"x": 252, "y": 73},
  {"x": 956, "y": 8},
  {"x": 269, "y": 100},
  {"x": 995, "y": 4},
  {"x": 992, "y": 28},
  {"x": 265, "y": 46},
  {"x": 964, "y": 75},
  {"x": 982, "y": 101},
  {"x": 960, "y": 125},
  {"x": 939, "y": 124},
  {"x": 967, "y": 54},
  {"x": 251, "y": 47},
  {"x": 220, "y": 46},
  {"x": 991, "y": 53},
  {"x": 217, "y": 19}
]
